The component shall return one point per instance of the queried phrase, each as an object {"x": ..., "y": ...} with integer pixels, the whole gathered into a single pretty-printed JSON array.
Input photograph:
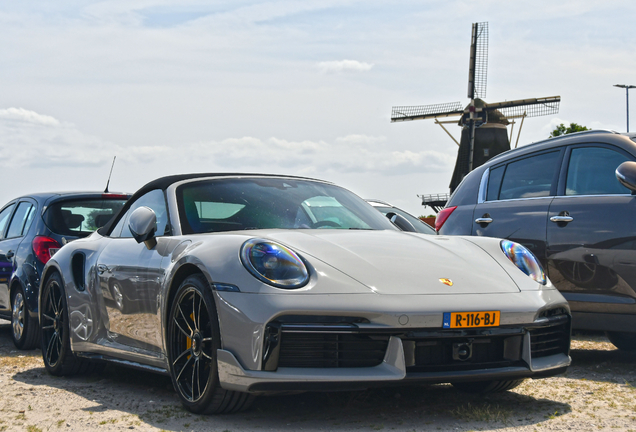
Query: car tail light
[
  {"x": 442, "y": 216},
  {"x": 45, "y": 247}
]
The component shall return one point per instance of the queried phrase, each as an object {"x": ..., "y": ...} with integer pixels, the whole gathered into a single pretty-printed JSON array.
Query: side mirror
[
  {"x": 401, "y": 222},
  {"x": 626, "y": 175},
  {"x": 142, "y": 225}
]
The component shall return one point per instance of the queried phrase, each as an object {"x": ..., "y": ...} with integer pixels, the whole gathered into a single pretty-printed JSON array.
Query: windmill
[{"x": 484, "y": 125}]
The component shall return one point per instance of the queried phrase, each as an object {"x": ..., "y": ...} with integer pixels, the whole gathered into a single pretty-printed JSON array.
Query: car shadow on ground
[
  {"x": 149, "y": 400},
  {"x": 606, "y": 363}
]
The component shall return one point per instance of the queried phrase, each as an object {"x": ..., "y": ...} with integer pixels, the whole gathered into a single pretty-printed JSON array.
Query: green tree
[{"x": 563, "y": 130}]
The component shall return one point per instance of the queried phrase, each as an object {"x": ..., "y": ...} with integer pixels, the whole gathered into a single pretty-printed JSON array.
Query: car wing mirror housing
[
  {"x": 401, "y": 222},
  {"x": 626, "y": 175},
  {"x": 143, "y": 225}
]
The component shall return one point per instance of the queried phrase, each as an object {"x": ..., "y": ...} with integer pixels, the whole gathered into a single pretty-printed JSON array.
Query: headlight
[
  {"x": 274, "y": 264},
  {"x": 524, "y": 260}
]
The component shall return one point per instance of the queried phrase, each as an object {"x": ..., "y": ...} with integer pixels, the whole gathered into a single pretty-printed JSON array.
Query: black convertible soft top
[{"x": 164, "y": 182}]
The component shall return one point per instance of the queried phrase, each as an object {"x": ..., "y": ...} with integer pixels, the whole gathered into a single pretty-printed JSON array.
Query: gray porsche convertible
[{"x": 244, "y": 284}]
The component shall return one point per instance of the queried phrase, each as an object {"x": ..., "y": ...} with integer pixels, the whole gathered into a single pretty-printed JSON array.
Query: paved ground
[{"x": 597, "y": 393}]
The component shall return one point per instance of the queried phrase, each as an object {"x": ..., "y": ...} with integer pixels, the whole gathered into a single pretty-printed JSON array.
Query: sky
[{"x": 286, "y": 87}]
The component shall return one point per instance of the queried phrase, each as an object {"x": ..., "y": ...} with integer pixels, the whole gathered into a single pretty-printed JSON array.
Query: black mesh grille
[
  {"x": 346, "y": 345},
  {"x": 551, "y": 339},
  {"x": 330, "y": 350}
]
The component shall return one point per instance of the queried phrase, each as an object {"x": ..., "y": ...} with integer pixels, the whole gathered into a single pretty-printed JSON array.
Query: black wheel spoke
[
  {"x": 183, "y": 368},
  {"x": 186, "y": 320},
  {"x": 205, "y": 355},
  {"x": 194, "y": 373},
  {"x": 198, "y": 322},
  {"x": 49, "y": 348},
  {"x": 181, "y": 328},
  {"x": 52, "y": 300},
  {"x": 188, "y": 351},
  {"x": 48, "y": 327},
  {"x": 48, "y": 317}
]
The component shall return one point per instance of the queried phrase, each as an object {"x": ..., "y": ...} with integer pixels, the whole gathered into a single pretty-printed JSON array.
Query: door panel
[
  {"x": 523, "y": 221},
  {"x": 130, "y": 278},
  {"x": 592, "y": 259}
]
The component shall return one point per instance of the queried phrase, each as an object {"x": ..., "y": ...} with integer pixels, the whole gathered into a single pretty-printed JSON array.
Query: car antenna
[{"x": 111, "y": 173}]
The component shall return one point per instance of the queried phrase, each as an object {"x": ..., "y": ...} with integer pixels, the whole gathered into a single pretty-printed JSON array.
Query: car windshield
[
  {"x": 419, "y": 225},
  {"x": 264, "y": 203},
  {"x": 80, "y": 217}
]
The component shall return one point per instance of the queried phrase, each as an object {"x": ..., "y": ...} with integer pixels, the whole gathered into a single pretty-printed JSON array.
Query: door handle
[
  {"x": 563, "y": 217},
  {"x": 483, "y": 220},
  {"x": 10, "y": 254},
  {"x": 101, "y": 268}
]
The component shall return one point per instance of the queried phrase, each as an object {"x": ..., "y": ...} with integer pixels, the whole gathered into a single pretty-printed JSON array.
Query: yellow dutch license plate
[{"x": 471, "y": 319}]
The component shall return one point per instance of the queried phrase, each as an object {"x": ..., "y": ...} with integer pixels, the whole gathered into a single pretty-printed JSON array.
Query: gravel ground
[{"x": 597, "y": 393}]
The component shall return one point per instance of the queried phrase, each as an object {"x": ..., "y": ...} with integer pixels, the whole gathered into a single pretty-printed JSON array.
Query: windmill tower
[{"x": 484, "y": 125}]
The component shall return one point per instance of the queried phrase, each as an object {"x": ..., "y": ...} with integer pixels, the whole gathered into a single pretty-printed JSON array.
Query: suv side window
[
  {"x": 4, "y": 219},
  {"x": 591, "y": 172},
  {"x": 21, "y": 220},
  {"x": 530, "y": 177},
  {"x": 156, "y": 201},
  {"x": 494, "y": 183}
]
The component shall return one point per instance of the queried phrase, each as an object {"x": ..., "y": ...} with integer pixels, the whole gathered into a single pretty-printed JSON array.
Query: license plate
[{"x": 471, "y": 319}]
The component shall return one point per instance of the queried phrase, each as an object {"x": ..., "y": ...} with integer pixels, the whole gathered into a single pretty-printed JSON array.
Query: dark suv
[
  {"x": 32, "y": 229},
  {"x": 561, "y": 198}
]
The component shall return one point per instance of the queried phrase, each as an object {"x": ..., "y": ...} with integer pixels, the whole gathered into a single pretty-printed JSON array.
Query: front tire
[
  {"x": 622, "y": 340},
  {"x": 483, "y": 387},
  {"x": 193, "y": 338},
  {"x": 59, "y": 360},
  {"x": 24, "y": 329}
]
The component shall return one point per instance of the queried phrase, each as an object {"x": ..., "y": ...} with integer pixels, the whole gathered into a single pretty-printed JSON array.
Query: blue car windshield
[{"x": 266, "y": 203}]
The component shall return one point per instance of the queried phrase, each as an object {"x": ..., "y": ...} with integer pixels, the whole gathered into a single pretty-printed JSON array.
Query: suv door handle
[
  {"x": 563, "y": 217},
  {"x": 483, "y": 220},
  {"x": 10, "y": 254}
]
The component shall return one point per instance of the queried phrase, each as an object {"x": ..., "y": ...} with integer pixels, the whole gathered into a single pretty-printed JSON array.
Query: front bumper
[{"x": 536, "y": 352}]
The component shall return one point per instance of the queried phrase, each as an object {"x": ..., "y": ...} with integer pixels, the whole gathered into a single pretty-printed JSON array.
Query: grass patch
[{"x": 483, "y": 413}]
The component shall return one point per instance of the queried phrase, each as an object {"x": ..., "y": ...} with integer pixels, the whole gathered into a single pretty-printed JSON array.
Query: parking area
[{"x": 597, "y": 393}]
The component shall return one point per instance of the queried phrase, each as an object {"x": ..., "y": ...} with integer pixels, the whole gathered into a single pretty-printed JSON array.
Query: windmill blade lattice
[
  {"x": 418, "y": 112},
  {"x": 529, "y": 107},
  {"x": 478, "y": 68}
]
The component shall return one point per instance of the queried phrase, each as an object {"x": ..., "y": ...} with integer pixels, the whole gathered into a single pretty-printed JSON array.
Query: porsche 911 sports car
[{"x": 244, "y": 284}]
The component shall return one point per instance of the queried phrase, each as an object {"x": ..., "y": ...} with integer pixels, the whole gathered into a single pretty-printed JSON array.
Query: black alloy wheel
[
  {"x": 59, "y": 360},
  {"x": 24, "y": 329},
  {"x": 193, "y": 338}
]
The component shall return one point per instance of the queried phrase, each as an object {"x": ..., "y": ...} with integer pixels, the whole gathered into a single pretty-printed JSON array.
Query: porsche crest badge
[{"x": 446, "y": 281}]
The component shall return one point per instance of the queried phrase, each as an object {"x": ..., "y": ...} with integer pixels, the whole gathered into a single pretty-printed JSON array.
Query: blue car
[{"x": 32, "y": 229}]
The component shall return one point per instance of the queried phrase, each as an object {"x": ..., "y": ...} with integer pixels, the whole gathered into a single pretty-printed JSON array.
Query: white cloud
[
  {"x": 344, "y": 66},
  {"x": 42, "y": 140},
  {"x": 26, "y": 116}
]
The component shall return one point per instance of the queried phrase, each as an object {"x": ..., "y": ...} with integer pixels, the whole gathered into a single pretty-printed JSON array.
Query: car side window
[
  {"x": 530, "y": 177},
  {"x": 494, "y": 183},
  {"x": 4, "y": 219},
  {"x": 154, "y": 200},
  {"x": 591, "y": 171},
  {"x": 21, "y": 220}
]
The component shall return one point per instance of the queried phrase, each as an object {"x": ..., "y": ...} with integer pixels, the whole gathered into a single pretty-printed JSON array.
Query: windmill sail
[
  {"x": 527, "y": 107},
  {"x": 419, "y": 112},
  {"x": 478, "y": 66}
]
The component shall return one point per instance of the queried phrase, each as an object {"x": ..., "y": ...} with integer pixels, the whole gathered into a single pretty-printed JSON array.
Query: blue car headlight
[
  {"x": 524, "y": 260},
  {"x": 274, "y": 264}
]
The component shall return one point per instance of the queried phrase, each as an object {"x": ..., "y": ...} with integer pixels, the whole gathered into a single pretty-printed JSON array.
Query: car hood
[{"x": 392, "y": 262}]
